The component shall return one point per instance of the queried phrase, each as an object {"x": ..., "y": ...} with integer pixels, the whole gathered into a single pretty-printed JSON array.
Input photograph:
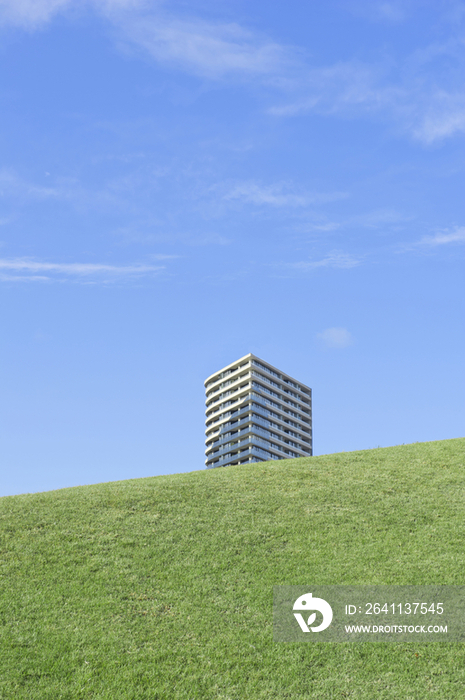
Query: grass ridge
[{"x": 162, "y": 587}]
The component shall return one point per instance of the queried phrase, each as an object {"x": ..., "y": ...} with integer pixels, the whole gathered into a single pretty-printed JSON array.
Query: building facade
[{"x": 256, "y": 413}]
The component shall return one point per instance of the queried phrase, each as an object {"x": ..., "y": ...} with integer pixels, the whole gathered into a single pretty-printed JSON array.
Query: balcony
[
  {"x": 262, "y": 389},
  {"x": 260, "y": 405},
  {"x": 217, "y": 403},
  {"x": 210, "y": 395},
  {"x": 257, "y": 454},
  {"x": 283, "y": 390},
  {"x": 255, "y": 430},
  {"x": 208, "y": 387},
  {"x": 237, "y": 445}
]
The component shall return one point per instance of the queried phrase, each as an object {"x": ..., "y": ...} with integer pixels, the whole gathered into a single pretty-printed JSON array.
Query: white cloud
[
  {"x": 19, "y": 269},
  {"x": 335, "y": 337},
  {"x": 279, "y": 195},
  {"x": 443, "y": 117},
  {"x": 330, "y": 89},
  {"x": 326, "y": 227},
  {"x": 208, "y": 49},
  {"x": 33, "y": 14},
  {"x": 380, "y": 218},
  {"x": 18, "y": 189},
  {"x": 208, "y": 239},
  {"x": 30, "y": 14},
  {"x": 13, "y": 185},
  {"x": 336, "y": 258},
  {"x": 116, "y": 193},
  {"x": 444, "y": 237},
  {"x": 422, "y": 93},
  {"x": 393, "y": 11}
]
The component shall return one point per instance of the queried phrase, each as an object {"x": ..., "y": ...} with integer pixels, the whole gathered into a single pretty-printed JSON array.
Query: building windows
[{"x": 253, "y": 425}]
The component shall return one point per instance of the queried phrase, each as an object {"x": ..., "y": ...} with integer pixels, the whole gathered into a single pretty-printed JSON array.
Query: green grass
[{"x": 162, "y": 588}]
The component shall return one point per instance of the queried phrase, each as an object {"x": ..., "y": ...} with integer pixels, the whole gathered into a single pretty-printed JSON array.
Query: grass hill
[{"x": 161, "y": 588}]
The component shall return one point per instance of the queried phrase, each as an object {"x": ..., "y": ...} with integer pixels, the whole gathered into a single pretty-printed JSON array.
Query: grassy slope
[{"x": 162, "y": 588}]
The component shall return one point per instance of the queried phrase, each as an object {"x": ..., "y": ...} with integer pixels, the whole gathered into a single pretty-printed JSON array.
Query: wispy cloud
[
  {"x": 12, "y": 185},
  {"x": 335, "y": 337},
  {"x": 335, "y": 258},
  {"x": 33, "y": 14},
  {"x": 115, "y": 193},
  {"x": 30, "y": 14},
  {"x": 331, "y": 89},
  {"x": 390, "y": 11},
  {"x": 326, "y": 227},
  {"x": 279, "y": 195},
  {"x": 23, "y": 269},
  {"x": 208, "y": 49},
  {"x": 379, "y": 218},
  {"x": 445, "y": 237},
  {"x": 444, "y": 116},
  {"x": 381, "y": 11},
  {"x": 421, "y": 93}
]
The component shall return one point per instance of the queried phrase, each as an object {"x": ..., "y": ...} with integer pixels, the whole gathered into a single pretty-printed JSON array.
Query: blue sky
[{"x": 184, "y": 183}]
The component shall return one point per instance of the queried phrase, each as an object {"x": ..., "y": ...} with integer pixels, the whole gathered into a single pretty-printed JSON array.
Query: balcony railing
[
  {"x": 252, "y": 440},
  {"x": 283, "y": 390},
  {"x": 213, "y": 405},
  {"x": 263, "y": 389},
  {"x": 257, "y": 453},
  {"x": 260, "y": 405},
  {"x": 255, "y": 429},
  {"x": 213, "y": 397}
]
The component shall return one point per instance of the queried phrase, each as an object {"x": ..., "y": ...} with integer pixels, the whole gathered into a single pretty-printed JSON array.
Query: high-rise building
[{"x": 256, "y": 413}]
